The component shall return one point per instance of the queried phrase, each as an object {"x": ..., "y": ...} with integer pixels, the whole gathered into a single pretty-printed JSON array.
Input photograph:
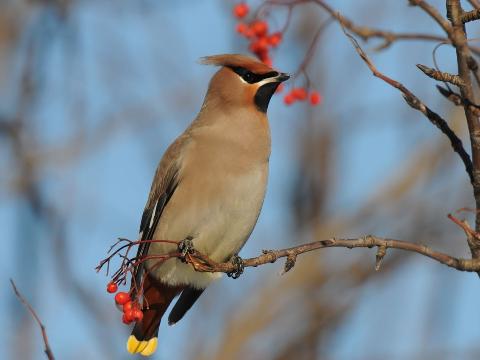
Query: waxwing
[{"x": 208, "y": 190}]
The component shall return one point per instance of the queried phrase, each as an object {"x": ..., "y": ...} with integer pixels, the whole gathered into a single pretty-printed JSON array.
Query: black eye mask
[{"x": 251, "y": 77}]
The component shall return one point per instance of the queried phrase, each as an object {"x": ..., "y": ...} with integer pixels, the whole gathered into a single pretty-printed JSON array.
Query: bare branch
[
  {"x": 367, "y": 33},
  {"x": 473, "y": 66},
  {"x": 203, "y": 264},
  {"x": 48, "y": 350},
  {"x": 475, "y": 3},
  {"x": 434, "y": 14},
  {"x": 471, "y": 16},
  {"x": 457, "y": 99},
  {"x": 459, "y": 41},
  {"x": 417, "y": 104},
  {"x": 440, "y": 75}
]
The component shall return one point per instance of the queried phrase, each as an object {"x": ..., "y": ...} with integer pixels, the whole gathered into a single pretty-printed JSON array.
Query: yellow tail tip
[
  {"x": 145, "y": 348},
  {"x": 151, "y": 347},
  {"x": 134, "y": 345}
]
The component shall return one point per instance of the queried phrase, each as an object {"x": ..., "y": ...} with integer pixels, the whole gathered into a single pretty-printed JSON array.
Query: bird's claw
[
  {"x": 185, "y": 247},
  {"x": 239, "y": 264}
]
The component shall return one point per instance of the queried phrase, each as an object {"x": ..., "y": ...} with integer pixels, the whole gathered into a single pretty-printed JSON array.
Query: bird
[{"x": 208, "y": 191}]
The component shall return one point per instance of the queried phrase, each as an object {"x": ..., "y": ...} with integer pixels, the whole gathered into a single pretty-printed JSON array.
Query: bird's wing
[{"x": 164, "y": 184}]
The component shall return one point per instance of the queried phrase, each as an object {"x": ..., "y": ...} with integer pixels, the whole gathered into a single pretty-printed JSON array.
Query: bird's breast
[
  {"x": 217, "y": 202},
  {"x": 226, "y": 196}
]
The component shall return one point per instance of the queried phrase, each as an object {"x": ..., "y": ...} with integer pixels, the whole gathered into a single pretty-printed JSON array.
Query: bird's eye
[{"x": 248, "y": 77}]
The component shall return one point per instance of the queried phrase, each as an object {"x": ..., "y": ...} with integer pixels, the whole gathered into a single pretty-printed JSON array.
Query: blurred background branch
[{"x": 48, "y": 350}]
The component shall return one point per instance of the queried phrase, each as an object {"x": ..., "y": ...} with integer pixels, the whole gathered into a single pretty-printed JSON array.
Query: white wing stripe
[{"x": 153, "y": 215}]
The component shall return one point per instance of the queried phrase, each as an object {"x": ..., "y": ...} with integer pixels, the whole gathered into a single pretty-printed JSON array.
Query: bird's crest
[{"x": 236, "y": 60}]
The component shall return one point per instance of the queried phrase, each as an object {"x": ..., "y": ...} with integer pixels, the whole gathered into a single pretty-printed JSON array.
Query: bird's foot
[
  {"x": 239, "y": 264},
  {"x": 185, "y": 247}
]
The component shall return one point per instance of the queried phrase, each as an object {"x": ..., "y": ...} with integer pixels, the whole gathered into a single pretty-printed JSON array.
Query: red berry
[
  {"x": 259, "y": 46},
  {"x": 122, "y": 297},
  {"x": 129, "y": 315},
  {"x": 259, "y": 28},
  {"x": 241, "y": 28},
  {"x": 130, "y": 305},
  {"x": 275, "y": 39},
  {"x": 280, "y": 88},
  {"x": 263, "y": 54},
  {"x": 249, "y": 33},
  {"x": 241, "y": 10},
  {"x": 112, "y": 287},
  {"x": 300, "y": 94},
  {"x": 138, "y": 315},
  {"x": 315, "y": 98},
  {"x": 289, "y": 99},
  {"x": 244, "y": 29},
  {"x": 126, "y": 320}
]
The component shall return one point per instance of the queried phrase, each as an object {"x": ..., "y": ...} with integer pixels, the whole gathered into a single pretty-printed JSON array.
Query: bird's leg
[
  {"x": 186, "y": 247},
  {"x": 239, "y": 264}
]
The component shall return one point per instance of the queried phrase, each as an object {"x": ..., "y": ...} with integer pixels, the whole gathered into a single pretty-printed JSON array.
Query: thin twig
[
  {"x": 417, "y": 104},
  {"x": 434, "y": 14},
  {"x": 311, "y": 51},
  {"x": 471, "y": 16},
  {"x": 441, "y": 75},
  {"x": 48, "y": 350},
  {"x": 367, "y": 32},
  {"x": 464, "y": 225},
  {"x": 457, "y": 99},
  {"x": 475, "y": 3}
]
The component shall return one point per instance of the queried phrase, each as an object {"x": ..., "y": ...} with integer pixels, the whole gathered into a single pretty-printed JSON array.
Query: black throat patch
[{"x": 264, "y": 94}]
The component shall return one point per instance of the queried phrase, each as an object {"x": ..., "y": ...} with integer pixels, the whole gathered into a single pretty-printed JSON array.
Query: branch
[
  {"x": 459, "y": 41},
  {"x": 475, "y": 3},
  {"x": 471, "y": 16},
  {"x": 366, "y": 32},
  {"x": 434, "y": 14},
  {"x": 441, "y": 75},
  {"x": 48, "y": 350},
  {"x": 473, "y": 66},
  {"x": 201, "y": 263},
  {"x": 8, "y": 128},
  {"x": 417, "y": 104},
  {"x": 457, "y": 99}
]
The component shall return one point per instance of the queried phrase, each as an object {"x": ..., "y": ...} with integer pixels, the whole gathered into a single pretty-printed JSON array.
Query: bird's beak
[{"x": 282, "y": 77}]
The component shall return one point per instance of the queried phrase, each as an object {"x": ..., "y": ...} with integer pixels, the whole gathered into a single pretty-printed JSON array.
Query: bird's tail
[{"x": 156, "y": 299}]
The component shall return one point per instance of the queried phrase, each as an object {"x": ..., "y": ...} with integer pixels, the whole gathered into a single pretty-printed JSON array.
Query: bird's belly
[{"x": 219, "y": 214}]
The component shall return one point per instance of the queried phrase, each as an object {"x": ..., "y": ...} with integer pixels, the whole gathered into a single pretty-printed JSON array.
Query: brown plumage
[
  {"x": 247, "y": 62},
  {"x": 209, "y": 186},
  {"x": 156, "y": 299}
]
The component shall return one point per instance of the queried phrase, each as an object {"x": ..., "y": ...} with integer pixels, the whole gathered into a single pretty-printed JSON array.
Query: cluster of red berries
[
  {"x": 257, "y": 33},
  {"x": 300, "y": 94},
  {"x": 131, "y": 309},
  {"x": 260, "y": 44}
]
